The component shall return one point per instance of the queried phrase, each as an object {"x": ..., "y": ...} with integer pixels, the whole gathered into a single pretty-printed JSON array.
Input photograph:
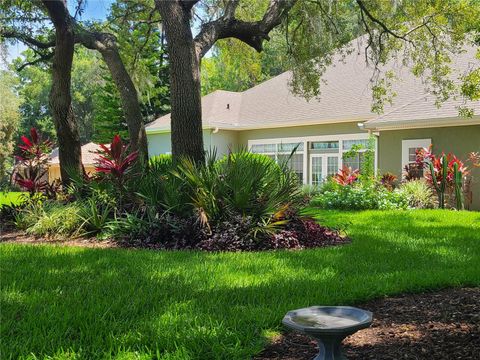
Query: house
[
  {"x": 88, "y": 159},
  {"x": 269, "y": 119}
]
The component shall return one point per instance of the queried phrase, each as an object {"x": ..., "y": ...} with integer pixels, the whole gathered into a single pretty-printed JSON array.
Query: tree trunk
[
  {"x": 69, "y": 146},
  {"x": 185, "y": 96},
  {"x": 128, "y": 96},
  {"x": 106, "y": 45}
]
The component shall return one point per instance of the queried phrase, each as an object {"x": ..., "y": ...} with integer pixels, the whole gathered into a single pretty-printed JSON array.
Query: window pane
[
  {"x": 322, "y": 145},
  {"x": 332, "y": 165},
  {"x": 317, "y": 175},
  {"x": 347, "y": 144},
  {"x": 354, "y": 162},
  {"x": 295, "y": 163},
  {"x": 288, "y": 147},
  {"x": 263, "y": 148}
]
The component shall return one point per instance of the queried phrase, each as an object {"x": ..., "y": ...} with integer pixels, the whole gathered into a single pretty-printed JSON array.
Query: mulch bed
[
  {"x": 439, "y": 325},
  {"x": 20, "y": 237}
]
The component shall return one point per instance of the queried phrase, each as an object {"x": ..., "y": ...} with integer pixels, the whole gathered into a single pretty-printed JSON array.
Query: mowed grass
[
  {"x": 78, "y": 303},
  {"x": 11, "y": 198}
]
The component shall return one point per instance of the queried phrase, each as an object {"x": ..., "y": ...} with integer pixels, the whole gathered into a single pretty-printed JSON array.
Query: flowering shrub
[{"x": 360, "y": 196}]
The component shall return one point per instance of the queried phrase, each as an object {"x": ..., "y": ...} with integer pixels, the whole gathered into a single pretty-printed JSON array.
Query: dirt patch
[
  {"x": 20, "y": 237},
  {"x": 439, "y": 325}
]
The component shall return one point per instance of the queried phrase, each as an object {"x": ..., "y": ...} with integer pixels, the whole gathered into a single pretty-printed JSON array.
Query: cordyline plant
[
  {"x": 444, "y": 172},
  {"x": 115, "y": 162},
  {"x": 388, "y": 180},
  {"x": 32, "y": 161},
  {"x": 346, "y": 176}
]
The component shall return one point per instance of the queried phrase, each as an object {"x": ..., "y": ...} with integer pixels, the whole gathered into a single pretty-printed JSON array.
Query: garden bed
[{"x": 434, "y": 325}]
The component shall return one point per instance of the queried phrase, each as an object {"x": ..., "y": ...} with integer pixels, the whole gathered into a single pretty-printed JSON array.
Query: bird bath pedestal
[{"x": 329, "y": 325}]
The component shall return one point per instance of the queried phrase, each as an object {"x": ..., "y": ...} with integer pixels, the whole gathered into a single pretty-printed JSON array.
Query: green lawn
[
  {"x": 78, "y": 303},
  {"x": 12, "y": 197}
]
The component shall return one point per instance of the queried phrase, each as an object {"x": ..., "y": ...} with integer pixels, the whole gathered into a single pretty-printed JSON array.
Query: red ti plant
[
  {"x": 33, "y": 162},
  {"x": 445, "y": 172},
  {"x": 346, "y": 176},
  {"x": 115, "y": 160}
]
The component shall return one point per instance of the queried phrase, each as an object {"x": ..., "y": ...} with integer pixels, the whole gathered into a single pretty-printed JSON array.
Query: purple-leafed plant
[
  {"x": 412, "y": 172},
  {"x": 388, "y": 180},
  {"x": 32, "y": 163}
]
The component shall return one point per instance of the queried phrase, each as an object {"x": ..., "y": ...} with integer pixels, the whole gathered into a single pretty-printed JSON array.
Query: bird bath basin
[{"x": 329, "y": 325}]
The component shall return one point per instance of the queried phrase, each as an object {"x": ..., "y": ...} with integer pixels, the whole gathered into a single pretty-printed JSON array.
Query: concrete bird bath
[{"x": 329, "y": 325}]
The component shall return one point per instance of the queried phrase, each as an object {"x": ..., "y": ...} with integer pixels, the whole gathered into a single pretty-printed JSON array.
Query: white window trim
[
  {"x": 407, "y": 144},
  {"x": 305, "y": 151}
]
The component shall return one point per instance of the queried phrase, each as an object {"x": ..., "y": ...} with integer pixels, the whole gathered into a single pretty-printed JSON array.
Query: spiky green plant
[{"x": 457, "y": 179}]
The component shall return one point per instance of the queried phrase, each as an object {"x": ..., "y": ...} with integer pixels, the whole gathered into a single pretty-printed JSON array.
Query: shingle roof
[
  {"x": 345, "y": 96},
  {"x": 88, "y": 154}
]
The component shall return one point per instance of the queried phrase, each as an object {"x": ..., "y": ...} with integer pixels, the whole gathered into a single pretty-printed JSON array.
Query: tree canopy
[{"x": 174, "y": 51}]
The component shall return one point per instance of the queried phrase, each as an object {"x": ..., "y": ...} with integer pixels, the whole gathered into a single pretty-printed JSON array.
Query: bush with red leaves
[{"x": 32, "y": 160}]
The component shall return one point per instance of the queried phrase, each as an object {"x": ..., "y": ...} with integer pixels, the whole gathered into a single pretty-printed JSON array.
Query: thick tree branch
[
  {"x": 40, "y": 59},
  {"x": 26, "y": 39},
  {"x": 252, "y": 33}
]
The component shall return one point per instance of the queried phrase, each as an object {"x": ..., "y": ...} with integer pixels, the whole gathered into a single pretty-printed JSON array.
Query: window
[
  {"x": 263, "y": 148},
  {"x": 281, "y": 152},
  {"x": 324, "y": 145},
  {"x": 348, "y": 144},
  {"x": 355, "y": 162},
  {"x": 332, "y": 165},
  {"x": 409, "y": 151},
  {"x": 295, "y": 163},
  {"x": 289, "y": 147}
]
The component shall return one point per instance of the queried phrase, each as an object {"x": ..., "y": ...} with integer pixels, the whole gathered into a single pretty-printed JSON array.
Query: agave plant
[{"x": 346, "y": 176}]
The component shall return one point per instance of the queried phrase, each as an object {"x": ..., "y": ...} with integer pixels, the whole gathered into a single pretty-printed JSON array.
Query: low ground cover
[
  {"x": 70, "y": 302},
  {"x": 11, "y": 198}
]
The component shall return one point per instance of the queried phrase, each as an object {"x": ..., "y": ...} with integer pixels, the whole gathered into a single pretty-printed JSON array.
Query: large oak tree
[{"x": 424, "y": 35}]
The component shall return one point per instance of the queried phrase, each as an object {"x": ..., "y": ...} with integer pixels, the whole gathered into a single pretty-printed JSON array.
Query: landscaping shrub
[
  {"x": 241, "y": 202},
  {"x": 359, "y": 196},
  {"x": 419, "y": 194},
  {"x": 42, "y": 217}
]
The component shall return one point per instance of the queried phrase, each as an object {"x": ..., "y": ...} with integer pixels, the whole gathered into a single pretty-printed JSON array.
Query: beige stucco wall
[
  {"x": 54, "y": 171},
  {"x": 298, "y": 131},
  {"x": 223, "y": 140},
  {"x": 459, "y": 140}
]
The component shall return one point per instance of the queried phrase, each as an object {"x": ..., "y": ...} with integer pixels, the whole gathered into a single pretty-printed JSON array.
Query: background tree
[
  {"x": 9, "y": 119},
  {"x": 68, "y": 139},
  {"x": 185, "y": 53}
]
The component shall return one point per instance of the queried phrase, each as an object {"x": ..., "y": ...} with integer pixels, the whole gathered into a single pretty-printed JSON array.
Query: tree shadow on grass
[{"x": 100, "y": 303}]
